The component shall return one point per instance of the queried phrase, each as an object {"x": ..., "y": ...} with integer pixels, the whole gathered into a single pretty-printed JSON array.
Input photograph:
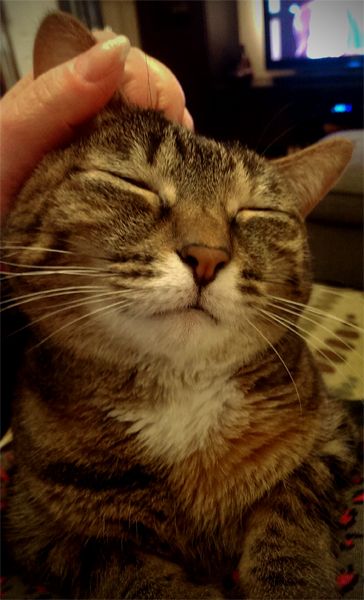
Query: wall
[
  {"x": 23, "y": 18},
  {"x": 121, "y": 16},
  {"x": 251, "y": 33}
]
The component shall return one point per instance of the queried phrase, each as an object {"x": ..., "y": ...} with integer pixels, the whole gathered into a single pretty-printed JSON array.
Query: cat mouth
[{"x": 191, "y": 309}]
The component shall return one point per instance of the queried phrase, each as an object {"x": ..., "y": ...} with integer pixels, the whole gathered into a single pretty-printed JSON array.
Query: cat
[{"x": 168, "y": 431}]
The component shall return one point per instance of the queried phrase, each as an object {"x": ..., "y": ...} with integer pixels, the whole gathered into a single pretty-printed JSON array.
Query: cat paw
[
  {"x": 164, "y": 590},
  {"x": 159, "y": 579},
  {"x": 289, "y": 592}
]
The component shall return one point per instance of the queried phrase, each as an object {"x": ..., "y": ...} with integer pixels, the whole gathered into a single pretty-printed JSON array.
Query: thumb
[{"x": 46, "y": 112}]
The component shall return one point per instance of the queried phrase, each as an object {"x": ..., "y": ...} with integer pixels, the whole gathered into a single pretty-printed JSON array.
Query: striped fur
[{"x": 168, "y": 432}]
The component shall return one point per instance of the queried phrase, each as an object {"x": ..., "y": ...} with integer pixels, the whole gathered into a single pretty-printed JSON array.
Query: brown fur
[{"x": 106, "y": 503}]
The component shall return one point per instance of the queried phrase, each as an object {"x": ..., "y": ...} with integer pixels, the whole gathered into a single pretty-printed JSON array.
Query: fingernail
[
  {"x": 102, "y": 59},
  {"x": 106, "y": 28}
]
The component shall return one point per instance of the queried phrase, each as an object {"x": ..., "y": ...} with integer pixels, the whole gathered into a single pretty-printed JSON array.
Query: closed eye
[
  {"x": 245, "y": 210},
  {"x": 136, "y": 182},
  {"x": 257, "y": 209}
]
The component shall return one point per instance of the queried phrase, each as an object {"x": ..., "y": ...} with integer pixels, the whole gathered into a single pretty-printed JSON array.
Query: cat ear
[
  {"x": 60, "y": 38},
  {"x": 314, "y": 170}
]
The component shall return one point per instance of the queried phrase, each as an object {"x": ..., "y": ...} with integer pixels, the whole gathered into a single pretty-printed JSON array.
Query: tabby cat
[{"x": 169, "y": 428}]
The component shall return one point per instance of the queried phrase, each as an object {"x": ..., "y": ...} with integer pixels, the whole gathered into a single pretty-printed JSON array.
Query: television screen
[{"x": 305, "y": 33}]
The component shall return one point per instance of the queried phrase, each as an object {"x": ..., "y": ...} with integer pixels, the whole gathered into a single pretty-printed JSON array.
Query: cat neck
[
  {"x": 195, "y": 364},
  {"x": 124, "y": 369}
]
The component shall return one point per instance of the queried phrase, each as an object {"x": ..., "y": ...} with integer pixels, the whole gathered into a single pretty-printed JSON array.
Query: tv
[{"x": 315, "y": 37}]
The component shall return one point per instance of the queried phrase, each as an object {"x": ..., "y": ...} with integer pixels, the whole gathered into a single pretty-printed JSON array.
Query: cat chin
[
  {"x": 186, "y": 331},
  {"x": 181, "y": 337}
]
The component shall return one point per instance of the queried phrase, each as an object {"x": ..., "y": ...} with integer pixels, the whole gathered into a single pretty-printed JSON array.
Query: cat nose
[{"x": 204, "y": 261}]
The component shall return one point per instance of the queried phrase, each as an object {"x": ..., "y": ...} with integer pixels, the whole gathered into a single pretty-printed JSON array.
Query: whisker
[
  {"x": 293, "y": 327},
  {"x": 53, "y": 267},
  {"x": 65, "y": 306},
  {"x": 119, "y": 303},
  {"x": 278, "y": 137},
  {"x": 326, "y": 290},
  {"x": 315, "y": 322},
  {"x": 35, "y": 249},
  {"x": 148, "y": 81},
  {"x": 44, "y": 294},
  {"x": 112, "y": 307},
  {"x": 316, "y": 311},
  {"x": 56, "y": 250},
  {"x": 77, "y": 302},
  {"x": 270, "y": 123},
  {"x": 280, "y": 358},
  {"x": 71, "y": 271},
  {"x": 274, "y": 319}
]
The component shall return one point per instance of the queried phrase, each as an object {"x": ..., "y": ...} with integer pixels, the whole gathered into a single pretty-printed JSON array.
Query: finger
[
  {"x": 187, "y": 120},
  {"x": 48, "y": 111},
  {"x": 20, "y": 86},
  {"x": 138, "y": 86},
  {"x": 170, "y": 95},
  {"x": 102, "y": 35},
  {"x": 150, "y": 84}
]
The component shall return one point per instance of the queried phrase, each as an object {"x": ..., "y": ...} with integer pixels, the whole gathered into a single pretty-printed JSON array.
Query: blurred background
[{"x": 277, "y": 75}]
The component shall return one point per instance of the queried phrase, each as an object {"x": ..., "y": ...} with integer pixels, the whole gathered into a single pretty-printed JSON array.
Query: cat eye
[
  {"x": 244, "y": 209},
  {"x": 256, "y": 209},
  {"x": 135, "y": 182},
  {"x": 164, "y": 206}
]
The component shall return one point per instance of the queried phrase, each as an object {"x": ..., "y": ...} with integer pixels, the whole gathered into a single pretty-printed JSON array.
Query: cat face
[
  {"x": 146, "y": 236},
  {"x": 165, "y": 238}
]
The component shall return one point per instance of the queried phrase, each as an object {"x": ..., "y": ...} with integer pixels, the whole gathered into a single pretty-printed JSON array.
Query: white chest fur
[{"x": 187, "y": 418}]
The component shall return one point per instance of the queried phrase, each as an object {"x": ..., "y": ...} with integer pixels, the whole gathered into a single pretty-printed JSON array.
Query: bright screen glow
[
  {"x": 341, "y": 108},
  {"x": 314, "y": 29}
]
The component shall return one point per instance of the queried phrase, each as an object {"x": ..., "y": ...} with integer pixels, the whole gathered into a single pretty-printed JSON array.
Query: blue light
[
  {"x": 354, "y": 63},
  {"x": 342, "y": 108}
]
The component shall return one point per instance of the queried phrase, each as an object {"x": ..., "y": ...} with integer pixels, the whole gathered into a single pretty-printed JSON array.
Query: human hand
[
  {"x": 149, "y": 83},
  {"x": 37, "y": 115}
]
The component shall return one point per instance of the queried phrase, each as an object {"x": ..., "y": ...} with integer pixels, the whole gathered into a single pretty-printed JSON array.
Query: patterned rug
[{"x": 334, "y": 324}]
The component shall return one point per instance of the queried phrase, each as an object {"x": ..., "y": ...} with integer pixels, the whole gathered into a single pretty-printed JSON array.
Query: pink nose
[{"x": 205, "y": 262}]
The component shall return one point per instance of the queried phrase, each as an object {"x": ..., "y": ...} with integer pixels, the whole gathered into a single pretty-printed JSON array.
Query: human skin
[{"x": 40, "y": 114}]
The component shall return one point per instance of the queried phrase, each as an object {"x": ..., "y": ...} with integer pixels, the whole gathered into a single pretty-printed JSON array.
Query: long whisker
[
  {"x": 274, "y": 319},
  {"x": 53, "y": 267},
  {"x": 112, "y": 307},
  {"x": 88, "y": 315},
  {"x": 45, "y": 294},
  {"x": 278, "y": 137},
  {"x": 77, "y": 302},
  {"x": 66, "y": 305},
  {"x": 315, "y": 322},
  {"x": 65, "y": 271},
  {"x": 148, "y": 81},
  {"x": 294, "y": 328},
  {"x": 35, "y": 249},
  {"x": 50, "y": 290},
  {"x": 271, "y": 121},
  {"x": 325, "y": 290},
  {"x": 316, "y": 311},
  {"x": 280, "y": 358},
  {"x": 45, "y": 249}
]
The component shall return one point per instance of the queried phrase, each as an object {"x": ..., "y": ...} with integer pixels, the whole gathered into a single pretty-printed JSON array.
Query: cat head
[{"x": 143, "y": 235}]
